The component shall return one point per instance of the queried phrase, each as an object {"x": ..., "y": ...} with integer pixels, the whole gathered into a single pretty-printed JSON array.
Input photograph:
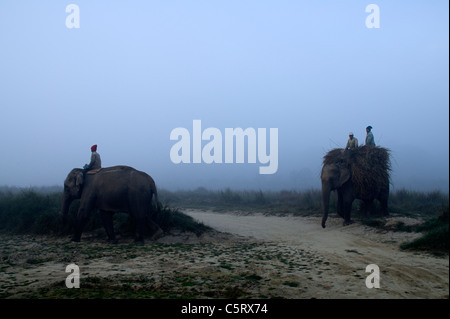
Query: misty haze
[{"x": 129, "y": 76}]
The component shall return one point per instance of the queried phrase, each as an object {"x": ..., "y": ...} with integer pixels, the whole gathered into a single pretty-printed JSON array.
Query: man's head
[
  {"x": 94, "y": 148},
  {"x": 368, "y": 129},
  {"x": 350, "y": 135}
]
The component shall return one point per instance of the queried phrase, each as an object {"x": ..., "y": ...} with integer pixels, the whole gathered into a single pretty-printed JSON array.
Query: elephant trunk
[
  {"x": 155, "y": 192},
  {"x": 326, "y": 203},
  {"x": 65, "y": 204}
]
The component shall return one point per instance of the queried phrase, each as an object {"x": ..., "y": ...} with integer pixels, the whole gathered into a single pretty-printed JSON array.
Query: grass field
[{"x": 28, "y": 211}]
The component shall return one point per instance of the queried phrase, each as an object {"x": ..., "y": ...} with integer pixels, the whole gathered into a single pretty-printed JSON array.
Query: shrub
[
  {"x": 29, "y": 212},
  {"x": 436, "y": 234},
  {"x": 169, "y": 218}
]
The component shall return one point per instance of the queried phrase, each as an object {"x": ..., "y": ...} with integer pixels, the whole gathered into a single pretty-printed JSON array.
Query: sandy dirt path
[
  {"x": 345, "y": 252},
  {"x": 246, "y": 256}
]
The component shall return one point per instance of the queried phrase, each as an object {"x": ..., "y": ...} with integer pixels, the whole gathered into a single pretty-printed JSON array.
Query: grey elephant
[
  {"x": 363, "y": 173},
  {"x": 110, "y": 190}
]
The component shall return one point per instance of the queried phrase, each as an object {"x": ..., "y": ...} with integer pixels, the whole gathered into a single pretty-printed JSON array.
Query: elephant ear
[
  {"x": 79, "y": 181},
  {"x": 344, "y": 175}
]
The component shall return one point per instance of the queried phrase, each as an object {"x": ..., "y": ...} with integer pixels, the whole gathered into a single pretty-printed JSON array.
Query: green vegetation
[
  {"x": 30, "y": 212},
  {"x": 36, "y": 212},
  {"x": 282, "y": 202},
  {"x": 303, "y": 203},
  {"x": 436, "y": 234},
  {"x": 413, "y": 203},
  {"x": 170, "y": 218}
]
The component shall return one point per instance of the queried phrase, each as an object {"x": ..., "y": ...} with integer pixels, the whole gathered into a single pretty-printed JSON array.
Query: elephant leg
[
  {"x": 140, "y": 223},
  {"x": 347, "y": 207},
  {"x": 157, "y": 232},
  {"x": 140, "y": 230},
  {"x": 384, "y": 207},
  {"x": 107, "y": 219},
  {"x": 368, "y": 208},
  {"x": 384, "y": 202},
  {"x": 347, "y": 201},
  {"x": 80, "y": 222},
  {"x": 78, "y": 230},
  {"x": 340, "y": 209},
  {"x": 84, "y": 211}
]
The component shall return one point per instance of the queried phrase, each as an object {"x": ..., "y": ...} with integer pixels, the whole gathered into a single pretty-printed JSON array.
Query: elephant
[
  {"x": 110, "y": 190},
  {"x": 362, "y": 174}
]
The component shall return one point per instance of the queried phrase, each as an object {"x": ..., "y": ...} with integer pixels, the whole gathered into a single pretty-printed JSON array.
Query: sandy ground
[
  {"x": 251, "y": 256},
  {"x": 345, "y": 252}
]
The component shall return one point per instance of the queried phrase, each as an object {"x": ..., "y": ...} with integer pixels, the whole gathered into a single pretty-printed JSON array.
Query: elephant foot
[
  {"x": 348, "y": 222},
  {"x": 324, "y": 220},
  {"x": 159, "y": 233},
  {"x": 139, "y": 239},
  {"x": 76, "y": 240}
]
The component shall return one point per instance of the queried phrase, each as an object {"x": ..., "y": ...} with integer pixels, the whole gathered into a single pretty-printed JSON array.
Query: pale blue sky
[{"x": 136, "y": 70}]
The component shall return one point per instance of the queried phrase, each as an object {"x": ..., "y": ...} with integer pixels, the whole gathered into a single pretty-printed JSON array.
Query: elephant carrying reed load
[
  {"x": 362, "y": 173},
  {"x": 110, "y": 190}
]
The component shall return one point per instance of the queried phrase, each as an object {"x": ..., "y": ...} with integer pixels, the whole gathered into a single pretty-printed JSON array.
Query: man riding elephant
[
  {"x": 96, "y": 161},
  {"x": 352, "y": 142},
  {"x": 370, "y": 140}
]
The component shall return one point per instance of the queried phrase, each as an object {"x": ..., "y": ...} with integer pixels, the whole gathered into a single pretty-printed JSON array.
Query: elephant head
[
  {"x": 333, "y": 176},
  {"x": 73, "y": 186}
]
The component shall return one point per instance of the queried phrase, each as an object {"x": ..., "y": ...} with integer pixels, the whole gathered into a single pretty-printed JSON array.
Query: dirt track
[
  {"x": 262, "y": 257},
  {"x": 346, "y": 251}
]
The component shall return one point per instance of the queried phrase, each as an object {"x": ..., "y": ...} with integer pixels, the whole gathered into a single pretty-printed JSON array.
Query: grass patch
[
  {"x": 436, "y": 236},
  {"x": 374, "y": 222},
  {"x": 30, "y": 212},
  {"x": 283, "y": 202},
  {"x": 253, "y": 277},
  {"x": 170, "y": 218},
  {"x": 291, "y": 284}
]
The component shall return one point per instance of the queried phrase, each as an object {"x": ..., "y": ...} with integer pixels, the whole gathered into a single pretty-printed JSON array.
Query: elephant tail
[{"x": 157, "y": 204}]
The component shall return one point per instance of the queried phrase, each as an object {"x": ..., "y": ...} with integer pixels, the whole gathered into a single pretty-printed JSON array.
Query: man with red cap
[{"x": 96, "y": 161}]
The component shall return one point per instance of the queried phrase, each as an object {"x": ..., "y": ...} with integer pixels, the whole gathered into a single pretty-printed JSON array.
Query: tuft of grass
[
  {"x": 436, "y": 234},
  {"x": 291, "y": 284},
  {"x": 374, "y": 222},
  {"x": 171, "y": 218}
]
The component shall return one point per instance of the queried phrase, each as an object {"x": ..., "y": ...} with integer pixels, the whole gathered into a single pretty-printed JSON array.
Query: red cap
[{"x": 94, "y": 148}]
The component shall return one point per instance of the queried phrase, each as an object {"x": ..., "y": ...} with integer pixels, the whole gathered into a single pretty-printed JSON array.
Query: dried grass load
[{"x": 370, "y": 167}]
